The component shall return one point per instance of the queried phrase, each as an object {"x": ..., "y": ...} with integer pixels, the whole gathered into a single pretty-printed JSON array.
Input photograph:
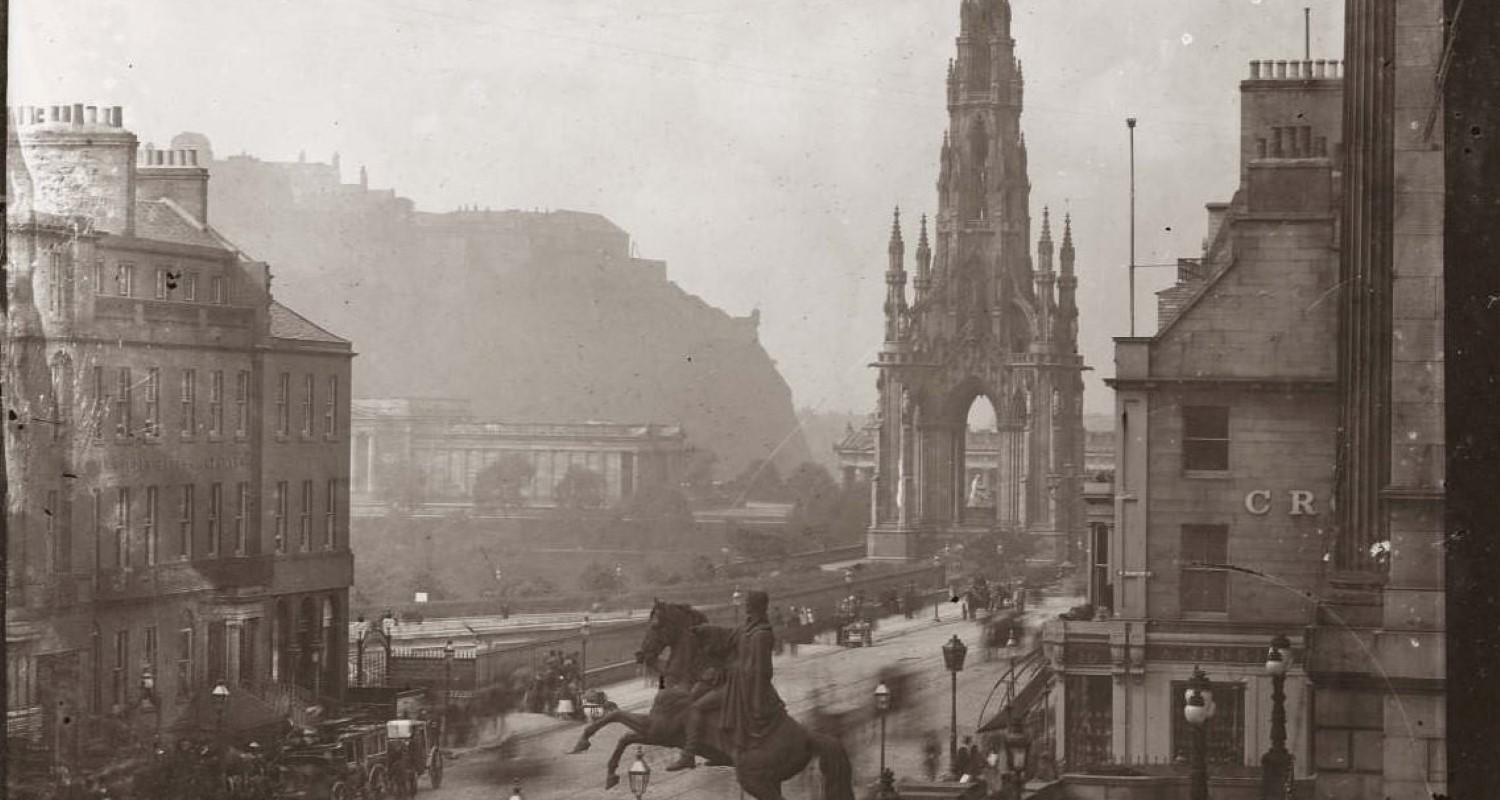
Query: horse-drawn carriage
[
  {"x": 856, "y": 617},
  {"x": 415, "y": 751},
  {"x": 347, "y": 761}
]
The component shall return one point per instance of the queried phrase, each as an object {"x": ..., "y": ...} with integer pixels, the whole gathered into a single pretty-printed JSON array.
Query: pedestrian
[
  {"x": 932, "y": 752},
  {"x": 964, "y": 755}
]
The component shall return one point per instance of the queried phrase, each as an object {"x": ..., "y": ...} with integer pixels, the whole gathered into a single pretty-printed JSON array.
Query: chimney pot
[
  {"x": 78, "y": 113},
  {"x": 1281, "y": 69},
  {"x": 93, "y": 115},
  {"x": 119, "y": 117},
  {"x": 1254, "y": 69}
]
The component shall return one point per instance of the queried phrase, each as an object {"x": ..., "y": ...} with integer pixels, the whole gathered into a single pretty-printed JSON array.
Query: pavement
[{"x": 532, "y": 748}]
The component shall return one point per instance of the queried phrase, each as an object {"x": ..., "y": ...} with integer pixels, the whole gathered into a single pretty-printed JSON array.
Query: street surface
[{"x": 533, "y": 748}]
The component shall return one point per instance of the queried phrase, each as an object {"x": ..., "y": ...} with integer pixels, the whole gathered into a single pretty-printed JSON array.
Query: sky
[{"x": 757, "y": 146}]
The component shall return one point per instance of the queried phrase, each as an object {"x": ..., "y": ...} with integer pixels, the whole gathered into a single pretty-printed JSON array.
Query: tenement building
[
  {"x": 1224, "y": 475},
  {"x": 983, "y": 323},
  {"x": 432, "y": 453},
  {"x": 177, "y": 448}
]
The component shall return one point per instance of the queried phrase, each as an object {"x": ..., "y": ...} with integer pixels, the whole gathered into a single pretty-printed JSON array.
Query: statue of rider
[{"x": 750, "y": 705}]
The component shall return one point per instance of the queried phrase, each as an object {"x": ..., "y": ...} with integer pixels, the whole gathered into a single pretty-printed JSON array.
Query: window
[
  {"x": 241, "y": 403},
  {"x": 122, "y": 404},
  {"x": 1225, "y": 731},
  {"x": 184, "y": 664},
  {"x": 189, "y": 397},
  {"x": 216, "y": 403},
  {"x": 125, "y": 279},
  {"x": 283, "y": 400},
  {"x": 216, "y": 290},
  {"x": 241, "y": 508},
  {"x": 101, "y": 402},
  {"x": 1088, "y": 711},
  {"x": 304, "y": 527},
  {"x": 185, "y": 522},
  {"x": 148, "y": 526},
  {"x": 330, "y": 513},
  {"x": 148, "y": 651},
  {"x": 96, "y": 661},
  {"x": 122, "y": 528},
  {"x": 190, "y": 286},
  {"x": 215, "y": 514},
  {"x": 153, "y": 402},
  {"x": 122, "y": 662},
  {"x": 165, "y": 283},
  {"x": 280, "y": 516},
  {"x": 331, "y": 409},
  {"x": 1205, "y": 438},
  {"x": 98, "y": 276},
  {"x": 1203, "y": 589},
  {"x": 249, "y": 634},
  {"x": 307, "y": 406},
  {"x": 1348, "y": 729},
  {"x": 57, "y": 281},
  {"x": 62, "y": 394}
]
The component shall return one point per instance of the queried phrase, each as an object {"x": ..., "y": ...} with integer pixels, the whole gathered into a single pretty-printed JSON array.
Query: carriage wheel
[
  {"x": 338, "y": 791},
  {"x": 376, "y": 784},
  {"x": 435, "y": 771}
]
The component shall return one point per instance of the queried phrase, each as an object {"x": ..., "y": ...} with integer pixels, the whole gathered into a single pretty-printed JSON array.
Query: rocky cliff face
[{"x": 531, "y": 316}]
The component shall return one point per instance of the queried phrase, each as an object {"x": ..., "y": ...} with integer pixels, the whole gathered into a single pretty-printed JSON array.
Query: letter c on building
[{"x": 1258, "y": 502}]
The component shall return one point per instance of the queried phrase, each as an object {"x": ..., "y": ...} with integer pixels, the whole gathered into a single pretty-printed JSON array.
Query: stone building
[
  {"x": 980, "y": 323},
  {"x": 436, "y": 449},
  {"x": 1378, "y": 658},
  {"x": 1225, "y": 422},
  {"x": 178, "y": 451}
]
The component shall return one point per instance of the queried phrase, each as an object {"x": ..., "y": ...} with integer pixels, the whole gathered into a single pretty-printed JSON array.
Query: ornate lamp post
[
  {"x": 953, "y": 658},
  {"x": 448, "y": 653},
  {"x": 882, "y": 705},
  {"x": 1276, "y": 764},
  {"x": 583, "y": 668},
  {"x": 887, "y": 790},
  {"x": 221, "y": 700},
  {"x": 1017, "y": 748},
  {"x": 361, "y": 632},
  {"x": 639, "y": 774},
  {"x": 1198, "y": 711}
]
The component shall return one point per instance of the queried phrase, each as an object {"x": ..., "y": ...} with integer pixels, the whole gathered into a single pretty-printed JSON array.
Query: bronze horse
[{"x": 761, "y": 769}]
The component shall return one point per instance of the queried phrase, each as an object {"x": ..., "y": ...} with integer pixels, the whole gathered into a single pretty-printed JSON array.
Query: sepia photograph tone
[{"x": 803, "y": 399}]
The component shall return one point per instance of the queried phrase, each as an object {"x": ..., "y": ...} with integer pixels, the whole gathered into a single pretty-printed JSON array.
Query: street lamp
[
  {"x": 887, "y": 790},
  {"x": 592, "y": 708},
  {"x": 639, "y": 774},
  {"x": 882, "y": 705},
  {"x": 221, "y": 699},
  {"x": 953, "y": 658},
  {"x": 1198, "y": 711},
  {"x": 448, "y": 652},
  {"x": 1276, "y": 764},
  {"x": 1017, "y": 748},
  {"x": 515, "y": 792},
  {"x": 583, "y": 668},
  {"x": 736, "y": 598},
  {"x": 361, "y": 632}
]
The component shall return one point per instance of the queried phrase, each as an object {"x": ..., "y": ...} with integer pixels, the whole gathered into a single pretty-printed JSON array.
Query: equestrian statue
[{"x": 716, "y": 701}]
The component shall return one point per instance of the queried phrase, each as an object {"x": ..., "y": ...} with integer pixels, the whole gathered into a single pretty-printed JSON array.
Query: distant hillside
[{"x": 531, "y": 316}]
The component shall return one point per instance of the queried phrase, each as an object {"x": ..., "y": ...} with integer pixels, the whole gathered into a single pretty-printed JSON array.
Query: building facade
[
  {"x": 1225, "y": 422},
  {"x": 980, "y": 323},
  {"x": 178, "y": 456},
  {"x": 442, "y": 449},
  {"x": 1378, "y": 662}
]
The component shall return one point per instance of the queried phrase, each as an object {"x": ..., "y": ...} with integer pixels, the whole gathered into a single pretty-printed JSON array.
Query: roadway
[{"x": 533, "y": 748}]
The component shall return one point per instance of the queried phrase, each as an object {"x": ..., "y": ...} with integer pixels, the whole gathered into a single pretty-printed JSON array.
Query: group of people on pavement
[{"x": 560, "y": 678}]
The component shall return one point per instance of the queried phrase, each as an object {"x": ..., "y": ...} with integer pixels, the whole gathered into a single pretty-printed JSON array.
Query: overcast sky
[{"x": 757, "y": 146}]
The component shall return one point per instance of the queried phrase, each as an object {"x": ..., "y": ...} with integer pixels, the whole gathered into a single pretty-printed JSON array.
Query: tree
[
  {"x": 822, "y": 510},
  {"x": 403, "y": 485},
  {"x": 598, "y": 578},
  {"x": 760, "y": 481},
  {"x": 580, "y": 487},
  {"x": 500, "y": 484}
]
